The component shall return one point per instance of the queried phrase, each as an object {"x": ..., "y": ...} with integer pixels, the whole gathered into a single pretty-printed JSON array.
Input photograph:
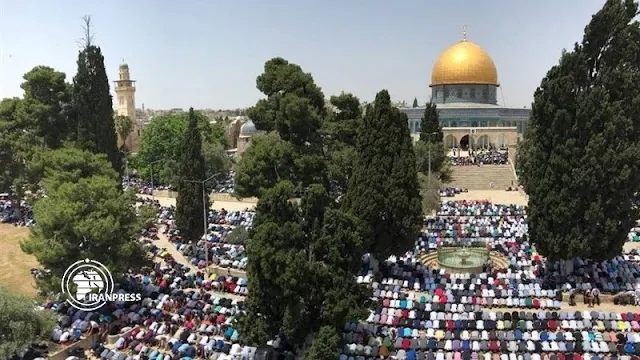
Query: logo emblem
[{"x": 91, "y": 279}]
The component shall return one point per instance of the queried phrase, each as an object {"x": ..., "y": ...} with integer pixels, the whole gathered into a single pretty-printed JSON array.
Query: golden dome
[{"x": 464, "y": 63}]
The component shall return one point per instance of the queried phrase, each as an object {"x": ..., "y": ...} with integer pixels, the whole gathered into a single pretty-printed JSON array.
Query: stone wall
[
  {"x": 83, "y": 343},
  {"x": 214, "y": 197}
]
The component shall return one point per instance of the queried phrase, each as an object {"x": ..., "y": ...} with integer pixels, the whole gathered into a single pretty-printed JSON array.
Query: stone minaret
[{"x": 126, "y": 93}]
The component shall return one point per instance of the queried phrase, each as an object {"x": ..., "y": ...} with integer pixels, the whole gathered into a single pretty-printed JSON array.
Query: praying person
[{"x": 595, "y": 296}]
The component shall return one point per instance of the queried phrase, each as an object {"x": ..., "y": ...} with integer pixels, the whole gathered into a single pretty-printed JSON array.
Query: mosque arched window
[
  {"x": 446, "y": 93},
  {"x": 459, "y": 94},
  {"x": 472, "y": 93},
  {"x": 485, "y": 93}
]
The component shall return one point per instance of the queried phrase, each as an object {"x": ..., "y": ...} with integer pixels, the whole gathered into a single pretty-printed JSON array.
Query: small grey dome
[{"x": 248, "y": 128}]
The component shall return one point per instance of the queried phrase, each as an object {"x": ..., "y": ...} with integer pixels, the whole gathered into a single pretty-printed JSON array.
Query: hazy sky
[{"x": 207, "y": 54}]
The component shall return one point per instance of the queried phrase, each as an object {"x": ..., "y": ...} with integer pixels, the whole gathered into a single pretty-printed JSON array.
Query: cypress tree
[
  {"x": 189, "y": 204},
  {"x": 580, "y": 159},
  {"x": 383, "y": 192},
  {"x": 415, "y": 103},
  {"x": 430, "y": 124},
  {"x": 93, "y": 108},
  {"x": 431, "y": 138}
]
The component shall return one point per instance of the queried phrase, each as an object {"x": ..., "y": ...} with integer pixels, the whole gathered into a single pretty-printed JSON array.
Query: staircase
[{"x": 479, "y": 177}]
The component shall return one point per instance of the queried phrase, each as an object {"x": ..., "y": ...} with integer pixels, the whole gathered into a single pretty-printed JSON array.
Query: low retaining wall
[
  {"x": 84, "y": 343},
  {"x": 215, "y": 196}
]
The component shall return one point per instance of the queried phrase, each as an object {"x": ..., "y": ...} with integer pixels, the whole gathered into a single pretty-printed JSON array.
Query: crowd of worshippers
[
  {"x": 421, "y": 312},
  {"x": 143, "y": 186},
  {"x": 481, "y": 157},
  {"x": 451, "y": 191},
  {"x": 221, "y": 225},
  {"x": 12, "y": 213},
  {"x": 426, "y": 313}
]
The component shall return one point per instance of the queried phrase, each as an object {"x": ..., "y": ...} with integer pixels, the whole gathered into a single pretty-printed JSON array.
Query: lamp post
[
  {"x": 429, "y": 151},
  {"x": 204, "y": 213},
  {"x": 151, "y": 166}
]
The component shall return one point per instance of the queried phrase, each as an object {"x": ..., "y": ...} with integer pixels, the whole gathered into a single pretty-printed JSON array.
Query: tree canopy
[
  {"x": 84, "y": 215},
  {"x": 191, "y": 169},
  {"x": 312, "y": 143},
  {"x": 49, "y": 98},
  {"x": 580, "y": 159},
  {"x": 294, "y": 109},
  {"x": 93, "y": 107},
  {"x": 383, "y": 191},
  {"x": 161, "y": 141},
  {"x": 21, "y": 324},
  {"x": 302, "y": 260},
  {"x": 431, "y": 153}
]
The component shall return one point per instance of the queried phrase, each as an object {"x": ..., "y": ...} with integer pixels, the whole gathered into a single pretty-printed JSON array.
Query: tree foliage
[
  {"x": 383, "y": 191},
  {"x": 37, "y": 122},
  {"x": 21, "y": 324},
  {"x": 294, "y": 109},
  {"x": 430, "y": 193},
  {"x": 49, "y": 96},
  {"x": 189, "y": 204},
  {"x": 161, "y": 141},
  {"x": 124, "y": 126},
  {"x": 84, "y": 215},
  {"x": 430, "y": 127},
  {"x": 52, "y": 168},
  {"x": 339, "y": 133},
  {"x": 325, "y": 346},
  {"x": 93, "y": 107},
  {"x": 302, "y": 260},
  {"x": 580, "y": 159},
  {"x": 415, "y": 103},
  {"x": 431, "y": 153}
]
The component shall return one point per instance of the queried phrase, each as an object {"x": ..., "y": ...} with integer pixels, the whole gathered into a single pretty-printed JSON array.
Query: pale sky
[{"x": 207, "y": 54}]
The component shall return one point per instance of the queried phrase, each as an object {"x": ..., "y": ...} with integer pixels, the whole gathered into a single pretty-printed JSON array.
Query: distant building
[
  {"x": 464, "y": 87},
  {"x": 240, "y": 131},
  {"x": 125, "y": 89}
]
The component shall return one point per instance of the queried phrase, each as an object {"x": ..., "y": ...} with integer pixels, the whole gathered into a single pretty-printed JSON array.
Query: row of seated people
[
  {"x": 464, "y": 303},
  {"x": 609, "y": 276},
  {"x": 496, "y": 350},
  {"x": 479, "y": 208},
  {"x": 451, "y": 191},
  {"x": 472, "y": 355},
  {"x": 384, "y": 338},
  {"x": 438, "y": 320},
  {"x": 493, "y": 227},
  {"x": 220, "y": 254}
]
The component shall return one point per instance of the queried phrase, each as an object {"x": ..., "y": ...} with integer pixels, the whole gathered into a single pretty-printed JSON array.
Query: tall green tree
[
  {"x": 580, "y": 160},
  {"x": 295, "y": 109},
  {"x": 430, "y": 127},
  {"x": 92, "y": 102},
  {"x": 21, "y": 324},
  {"x": 339, "y": 133},
  {"x": 19, "y": 142},
  {"x": 431, "y": 153},
  {"x": 302, "y": 261},
  {"x": 84, "y": 215},
  {"x": 415, "y": 103},
  {"x": 383, "y": 191},
  {"x": 189, "y": 204},
  {"x": 266, "y": 162},
  {"x": 49, "y": 96}
]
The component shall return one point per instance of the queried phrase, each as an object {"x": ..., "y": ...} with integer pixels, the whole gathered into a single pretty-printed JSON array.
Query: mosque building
[
  {"x": 239, "y": 133},
  {"x": 465, "y": 89}
]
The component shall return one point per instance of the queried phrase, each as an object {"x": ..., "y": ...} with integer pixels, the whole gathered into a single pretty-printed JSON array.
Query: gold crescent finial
[{"x": 464, "y": 32}]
